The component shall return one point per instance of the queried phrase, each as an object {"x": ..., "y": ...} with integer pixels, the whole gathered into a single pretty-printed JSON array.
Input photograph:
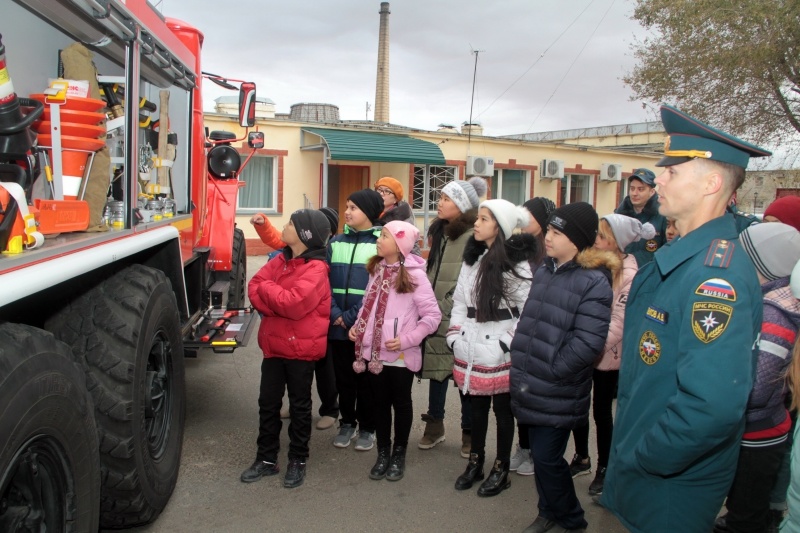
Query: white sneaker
[
  {"x": 526, "y": 468},
  {"x": 326, "y": 422},
  {"x": 520, "y": 456},
  {"x": 365, "y": 441}
]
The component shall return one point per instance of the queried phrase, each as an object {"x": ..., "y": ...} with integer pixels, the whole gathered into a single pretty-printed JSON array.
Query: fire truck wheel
[
  {"x": 49, "y": 461},
  {"x": 126, "y": 329},
  {"x": 238, "y": 278}
]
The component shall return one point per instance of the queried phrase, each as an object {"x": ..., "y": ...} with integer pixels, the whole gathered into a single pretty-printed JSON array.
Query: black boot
[
  {"x": 397, "y": 466},
  {"x": 473, "y": 473},
  {"x": 381, "y": 464},
  {"x": 497, "y": 481}
]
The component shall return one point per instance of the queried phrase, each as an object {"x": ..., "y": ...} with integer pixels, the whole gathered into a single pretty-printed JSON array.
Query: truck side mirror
[
  {"x": 247, "y": 104},
  {"x": 255, "y": 139}
]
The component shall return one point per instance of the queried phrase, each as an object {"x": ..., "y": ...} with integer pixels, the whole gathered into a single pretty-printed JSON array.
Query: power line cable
[
  {"x": 537, "y": 59},
  {"x": 571, "y": 65}
]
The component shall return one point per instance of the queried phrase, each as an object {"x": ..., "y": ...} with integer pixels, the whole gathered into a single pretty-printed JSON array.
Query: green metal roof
[{"x": 345, "y": 145}]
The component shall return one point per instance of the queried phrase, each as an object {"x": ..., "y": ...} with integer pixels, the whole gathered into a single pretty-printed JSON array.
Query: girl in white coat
[{"x": 491, "y": 291}]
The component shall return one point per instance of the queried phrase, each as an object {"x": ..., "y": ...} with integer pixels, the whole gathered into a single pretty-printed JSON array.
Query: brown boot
[
  {"x": 434, "y": 434},
  {"x": 466, "y": 443}
]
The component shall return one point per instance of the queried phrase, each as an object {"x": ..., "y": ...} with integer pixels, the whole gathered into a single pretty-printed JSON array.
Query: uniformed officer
[
  {"x": 691, "y": 324},
  {"x": 642, "y": 204}
]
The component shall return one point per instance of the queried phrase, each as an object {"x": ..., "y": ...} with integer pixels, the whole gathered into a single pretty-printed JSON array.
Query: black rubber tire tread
[
  {"x": 43, "y": 396},
  {"x": 112, "y": 327},
  {"x": 238, "y": 277}
]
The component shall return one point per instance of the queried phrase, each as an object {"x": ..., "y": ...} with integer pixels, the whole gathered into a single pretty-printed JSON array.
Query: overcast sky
[{"x": 543, "y": 64}]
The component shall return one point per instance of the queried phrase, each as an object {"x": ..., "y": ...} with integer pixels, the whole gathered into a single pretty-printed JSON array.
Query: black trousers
[
  {"x": 392, "y": 389},
  {"x": 501, "y": 404},
  {"x": 748, "y": 497},
  {"x": 557, "y": 498},
  {"x": 326, "y": 387},
  {"x": 603, "y": 387},
  {"x": 277, "y": 375},
  {"x": 356, "y": 402},
  {"x": 524, "y": 437}
]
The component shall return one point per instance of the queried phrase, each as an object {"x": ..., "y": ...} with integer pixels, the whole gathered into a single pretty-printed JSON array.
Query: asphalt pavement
[{"x": 219, "y": 443}]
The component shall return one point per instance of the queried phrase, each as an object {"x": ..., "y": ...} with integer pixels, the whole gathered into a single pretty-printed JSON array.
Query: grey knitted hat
[
  {"x": 773, "y": 247},
  {"x": 627, "y": 230}
]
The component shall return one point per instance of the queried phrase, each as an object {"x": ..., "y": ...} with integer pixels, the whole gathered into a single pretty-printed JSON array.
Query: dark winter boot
[
  {"x": 397, "y": 465},
  {"x": 497, "y": 481},
  {"x": 381, "y": 464},
  {"x": 473, "y": 473}
]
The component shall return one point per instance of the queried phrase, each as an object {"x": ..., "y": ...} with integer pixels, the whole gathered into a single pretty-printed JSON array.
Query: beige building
[{"x": 311, "y": 164}]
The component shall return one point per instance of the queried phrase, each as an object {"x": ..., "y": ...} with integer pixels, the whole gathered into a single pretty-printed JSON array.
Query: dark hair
[
  {"x": 490, "y": 286},
  {"x": 403, "y": 283}
]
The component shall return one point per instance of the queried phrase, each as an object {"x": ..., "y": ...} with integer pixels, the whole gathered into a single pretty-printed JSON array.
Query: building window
[
  {"x": 438, "y": 177},
  {"x": 623, "y": 190},
  {"x": 259, "y": 194},
  {"x": 510, "y": 184},
  {"x": 576, "y": 188}
]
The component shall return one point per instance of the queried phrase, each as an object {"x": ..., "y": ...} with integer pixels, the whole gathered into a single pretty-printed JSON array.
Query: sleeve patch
[
  {"x": 716, "y": 288},
  {"x": 709, "y": 320}
]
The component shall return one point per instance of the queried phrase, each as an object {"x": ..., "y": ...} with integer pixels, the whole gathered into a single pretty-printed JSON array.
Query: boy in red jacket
[{"x": 292, "y": 294}]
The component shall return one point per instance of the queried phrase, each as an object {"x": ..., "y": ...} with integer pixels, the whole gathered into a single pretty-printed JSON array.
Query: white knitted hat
[{"x": 508, "y": 215}]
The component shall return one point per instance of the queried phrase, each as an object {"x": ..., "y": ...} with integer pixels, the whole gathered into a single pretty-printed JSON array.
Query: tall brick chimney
[{"x": 382, "y": 81}]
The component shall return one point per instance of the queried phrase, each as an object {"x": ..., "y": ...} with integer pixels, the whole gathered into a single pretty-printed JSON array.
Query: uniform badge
[
  {"x": 649, "y": 348},
  {"x": 709, "y": 320},
  {"x": 657, "y": 315},
  {"x": 719, "y": 254},
  {"x": 651, "y": 245},
  {"x": 717, "y": 288}
]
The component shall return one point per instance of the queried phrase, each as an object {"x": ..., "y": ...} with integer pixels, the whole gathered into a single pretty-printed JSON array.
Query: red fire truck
[{"x": 98, "y": 310}]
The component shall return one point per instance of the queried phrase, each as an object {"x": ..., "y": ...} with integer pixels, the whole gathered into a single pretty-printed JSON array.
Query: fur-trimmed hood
[
  {"x": 455, "y": 229},
  {"x": 593, "y": 259},
  {"x": 520, "y": 247}
]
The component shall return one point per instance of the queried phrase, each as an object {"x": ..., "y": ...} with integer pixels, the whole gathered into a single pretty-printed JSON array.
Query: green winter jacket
[{"x": 444, "y": 265}]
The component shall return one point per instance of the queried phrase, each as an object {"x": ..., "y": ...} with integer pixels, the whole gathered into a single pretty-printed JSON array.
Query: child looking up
[
  {"x": 398, "y": 312},
  {"x": 348, "y": 254},
  {"x": 492, "y": 287},
  {"x": 614, "y": 235},
  {"x": 562, "y": 329},
  {"x": 291, "y": 294}
]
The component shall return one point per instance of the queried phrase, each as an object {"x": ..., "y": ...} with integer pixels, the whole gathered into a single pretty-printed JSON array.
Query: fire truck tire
[
  {"x": 238, "y": 279},
  {"x": 126, "y": 329},
  {"x": 49, "y": 460}
]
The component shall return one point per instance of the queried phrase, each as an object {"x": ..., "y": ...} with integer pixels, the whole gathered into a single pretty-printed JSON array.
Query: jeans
[
  {"x": 437, "y": 396},
  {"x": 356, "y": 403},
  {"x": 501, "y": 404},
  {"x": 557, "y": 498},
  {"x": 604, "y": 385},
  {"x": 392, "y": 389},
  {"x": 278, "y": 374}
]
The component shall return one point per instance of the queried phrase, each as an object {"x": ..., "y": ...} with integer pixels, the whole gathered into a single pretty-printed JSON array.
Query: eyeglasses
[{"x": 384, "y": 191}]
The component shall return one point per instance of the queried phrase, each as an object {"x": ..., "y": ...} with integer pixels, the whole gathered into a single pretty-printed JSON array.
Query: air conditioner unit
[
  {"x": 480, "y": 166},
  {"x": 551, "y": 169},
  {"x": 610, "y": 172}
]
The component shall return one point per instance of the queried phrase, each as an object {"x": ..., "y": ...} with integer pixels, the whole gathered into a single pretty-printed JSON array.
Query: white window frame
[
  {"x": 566, "y": 197},
  {"x": 498, "y": 178},
  {"x": 267, "y": 209},
  {"x": 432, "y": 182}
]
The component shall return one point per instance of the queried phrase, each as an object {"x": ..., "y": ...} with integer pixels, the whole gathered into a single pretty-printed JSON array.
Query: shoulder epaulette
[{"x": 719, "y": 253}]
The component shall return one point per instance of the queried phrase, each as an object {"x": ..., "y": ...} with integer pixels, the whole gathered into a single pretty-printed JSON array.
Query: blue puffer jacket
[
  {"x": 561, "y": 332},
  {"x": 348, "y": 254}
]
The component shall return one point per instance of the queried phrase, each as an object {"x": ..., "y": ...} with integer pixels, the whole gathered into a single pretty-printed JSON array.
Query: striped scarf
[{"x": 378, "y": 292}]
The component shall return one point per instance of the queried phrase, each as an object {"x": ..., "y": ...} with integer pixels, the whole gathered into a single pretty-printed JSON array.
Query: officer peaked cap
[{"x": 688, "y": 138}]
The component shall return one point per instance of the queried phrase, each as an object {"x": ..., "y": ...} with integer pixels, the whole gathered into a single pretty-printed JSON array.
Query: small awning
[{"x": 346, "y": 145}]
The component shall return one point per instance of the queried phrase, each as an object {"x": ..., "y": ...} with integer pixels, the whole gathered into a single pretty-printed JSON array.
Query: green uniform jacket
[
  {"x": 643, "y": 250},
  {"x": 688, "y": 361},
  {"x": 437, "y": 362}
]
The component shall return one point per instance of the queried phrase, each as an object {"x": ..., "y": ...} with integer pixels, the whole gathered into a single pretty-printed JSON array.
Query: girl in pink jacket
[
  {"x": 614, "y": 234},
  {"x": 398, "y": 311}
]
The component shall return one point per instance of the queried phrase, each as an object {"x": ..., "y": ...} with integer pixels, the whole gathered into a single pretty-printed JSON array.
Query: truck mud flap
[{"x": 222, "y": 330}]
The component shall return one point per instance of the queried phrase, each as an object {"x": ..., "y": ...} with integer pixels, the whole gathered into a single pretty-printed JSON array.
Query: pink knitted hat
[{"x": 405, "y": 235}]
